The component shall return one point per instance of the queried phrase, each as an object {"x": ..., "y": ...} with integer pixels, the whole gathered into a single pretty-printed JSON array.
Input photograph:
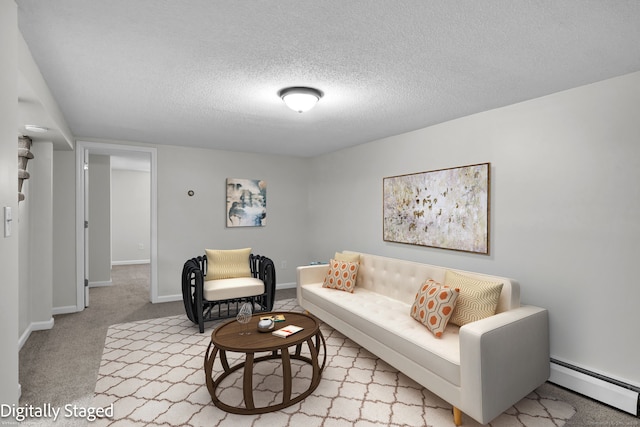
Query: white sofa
[{"x": 481, "y": 368}]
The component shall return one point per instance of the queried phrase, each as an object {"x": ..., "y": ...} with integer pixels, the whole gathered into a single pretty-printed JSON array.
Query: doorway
[{"x": 133, "y": 157}]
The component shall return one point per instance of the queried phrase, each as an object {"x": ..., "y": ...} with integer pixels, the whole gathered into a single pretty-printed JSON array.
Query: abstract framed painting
[
  {"x": 246, "y": 202},
  {"x": 445, "y": 208}
]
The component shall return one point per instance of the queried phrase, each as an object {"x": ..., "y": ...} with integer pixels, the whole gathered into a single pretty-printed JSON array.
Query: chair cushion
[
  {"x": 225, "y": 264},
  {"x": 237, "y": 287}
]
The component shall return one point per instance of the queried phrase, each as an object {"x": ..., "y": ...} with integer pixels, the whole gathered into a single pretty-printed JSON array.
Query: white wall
[
  {"x": 9, "y": 391},
  {"x": 99, "y": 219},
  {"x": 564, "y": 210},
  {"x": 130, "y": 218}
]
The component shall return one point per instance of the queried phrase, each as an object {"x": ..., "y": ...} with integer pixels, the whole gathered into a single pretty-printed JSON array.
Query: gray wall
[
  {"x": 130, "y": 217},
  {"x": 35, "y": 243},
  {"x": 189, "y": 225},
  {"x": 9, "y": 388},
  {"x": 99, "y": 219},
  {"x": 64, "y": 232},
  {"x": 564, "y": 209}
]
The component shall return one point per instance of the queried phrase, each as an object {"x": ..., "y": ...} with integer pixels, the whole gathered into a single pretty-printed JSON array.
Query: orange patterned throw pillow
[
  {"x": 434, "y": 305},
  {"x": 342, "y": 275}
]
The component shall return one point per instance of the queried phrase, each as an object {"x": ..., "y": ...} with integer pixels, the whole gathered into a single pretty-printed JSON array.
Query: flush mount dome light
[
  {"x": 300, "y": 99},
  {"x": 36, "y": 128}
]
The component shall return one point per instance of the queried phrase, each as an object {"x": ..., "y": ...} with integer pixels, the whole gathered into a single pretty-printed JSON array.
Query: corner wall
[
  {"x": 10, "y": 389},
  {"x": 565, "y": 200}
]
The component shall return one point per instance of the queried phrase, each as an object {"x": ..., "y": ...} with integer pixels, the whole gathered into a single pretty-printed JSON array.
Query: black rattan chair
[{"x": 200, "y": 310}]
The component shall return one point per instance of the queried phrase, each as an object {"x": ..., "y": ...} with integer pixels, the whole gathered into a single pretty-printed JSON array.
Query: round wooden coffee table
[{"x": 227, "y": 337}]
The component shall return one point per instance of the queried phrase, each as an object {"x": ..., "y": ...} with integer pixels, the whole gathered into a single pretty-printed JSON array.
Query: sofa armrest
[
  {"x": 311, "y": 273},
  {"x": 307, "y": 274},
  {"x": 502, "y": 359}
]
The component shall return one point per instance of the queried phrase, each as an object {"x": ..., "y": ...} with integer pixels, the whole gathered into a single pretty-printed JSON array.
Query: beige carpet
[{"x": 152, "y": 373}]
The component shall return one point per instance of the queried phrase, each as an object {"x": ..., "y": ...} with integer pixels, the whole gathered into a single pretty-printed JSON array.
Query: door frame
[{"x": 115, "y": 149}]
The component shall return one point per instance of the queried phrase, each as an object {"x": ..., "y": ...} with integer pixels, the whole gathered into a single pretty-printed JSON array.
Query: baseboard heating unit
[{"x": 612, "y": 392}]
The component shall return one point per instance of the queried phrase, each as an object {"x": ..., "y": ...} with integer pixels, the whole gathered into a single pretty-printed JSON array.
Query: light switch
[{"x": 7, "y": 221}]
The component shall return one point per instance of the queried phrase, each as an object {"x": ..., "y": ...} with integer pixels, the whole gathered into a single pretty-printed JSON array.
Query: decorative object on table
[
  {"x": 246, "y": 202},
  {"x": 446, "y": 208},
  {"x": 265, "y": 324},
  {"x": 275, "y": 317},
  {"x": 287, "y": 331},
  {"x": 244, "y": 317}
]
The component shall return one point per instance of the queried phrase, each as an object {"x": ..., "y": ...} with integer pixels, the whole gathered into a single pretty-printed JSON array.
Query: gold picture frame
[{"x": 444, "y": 208}]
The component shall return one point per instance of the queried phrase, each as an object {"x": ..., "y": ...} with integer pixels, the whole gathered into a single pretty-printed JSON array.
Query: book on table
[{"x": 287, "y": 331}]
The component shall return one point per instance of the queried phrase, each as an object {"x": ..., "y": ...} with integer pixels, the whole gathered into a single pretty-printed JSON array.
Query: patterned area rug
[{"x": 152, "y": 374}]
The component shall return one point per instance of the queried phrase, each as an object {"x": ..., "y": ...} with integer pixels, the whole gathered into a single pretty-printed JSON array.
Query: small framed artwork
[
  {"x": 446, "y": 208},
  {"x": 246, "y": 202}
]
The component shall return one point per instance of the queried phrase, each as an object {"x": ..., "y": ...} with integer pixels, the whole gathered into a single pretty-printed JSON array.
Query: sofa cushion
[
  {"x": 237, "y": 287},
  {"x": 478, "y": 298},
  {"x": 434, "y": 305},
  {"x": 225, "y": 264},
  {"x": 341, "y": 275},
  {"x": 386, "y": 320}
]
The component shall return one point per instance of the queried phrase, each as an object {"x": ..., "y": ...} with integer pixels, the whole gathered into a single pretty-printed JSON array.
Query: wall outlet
[{"x": 283, "y": 265}]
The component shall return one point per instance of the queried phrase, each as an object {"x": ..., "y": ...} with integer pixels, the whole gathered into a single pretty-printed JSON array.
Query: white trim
[
  {"x": 108, "y": 148},
  {"x": 169, "y": 298},
  {"x": 131, "y": 262},
  {"x": 289, "y": 285},
  {"x": 100, "y": 284},
  {"x": 595, "y": 388},
  {"x": 65, "y": 310},
  {"x": 79, "y": 229},
  {"x": 34, "y": 326}
]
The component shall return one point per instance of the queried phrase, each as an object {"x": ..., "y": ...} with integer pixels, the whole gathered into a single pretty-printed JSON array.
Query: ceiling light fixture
[
  {"x": 36, "y": 128},
  {"x": 300, "y": 99}
]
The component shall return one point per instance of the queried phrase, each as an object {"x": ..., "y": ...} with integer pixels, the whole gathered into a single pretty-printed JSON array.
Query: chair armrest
[
  {"x": 192, "y": 281},
  {"x": 502, "y": 359},
  {"x": 264, "y": 269}
]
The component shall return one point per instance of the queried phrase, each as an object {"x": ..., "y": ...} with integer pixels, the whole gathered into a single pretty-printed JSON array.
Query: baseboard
[
  {"x": 64, "y": 310},
  {"x": 100, "y": 284},
  {"x": 612, "y": 392},
  {"x": 289, "y": 285},
  {"x": 169, "y": 298},
  {"x": 131, "y": 262},
  {"x": 34, "y": 326}
]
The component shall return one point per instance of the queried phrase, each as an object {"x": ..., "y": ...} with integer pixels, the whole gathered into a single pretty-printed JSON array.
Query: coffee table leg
[
  {"x": 247, "y": 385},
  {"x": 286, "y": 375}
]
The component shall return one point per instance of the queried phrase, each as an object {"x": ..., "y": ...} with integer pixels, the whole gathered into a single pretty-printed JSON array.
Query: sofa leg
[{"x": 457, "y": 416}]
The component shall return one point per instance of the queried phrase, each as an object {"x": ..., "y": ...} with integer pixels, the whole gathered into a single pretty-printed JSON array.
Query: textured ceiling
[{"x": 206, "y": 73}]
